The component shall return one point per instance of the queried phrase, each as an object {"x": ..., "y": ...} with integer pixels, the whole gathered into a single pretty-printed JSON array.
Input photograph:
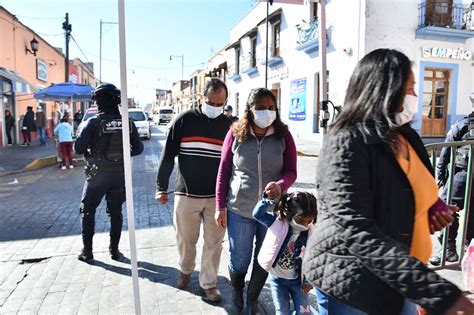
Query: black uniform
[
  {"x": 458, "y": 132},
  {"x": 101, "y": 143}
]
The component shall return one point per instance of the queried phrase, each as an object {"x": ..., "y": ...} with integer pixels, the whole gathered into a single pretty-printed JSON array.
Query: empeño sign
[{"x": 446, "y": 53}]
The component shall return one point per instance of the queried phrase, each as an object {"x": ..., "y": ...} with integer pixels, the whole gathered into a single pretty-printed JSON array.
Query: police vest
[
  {"x": 462, "y": 153},
  {"x": 108, "y": 150}
]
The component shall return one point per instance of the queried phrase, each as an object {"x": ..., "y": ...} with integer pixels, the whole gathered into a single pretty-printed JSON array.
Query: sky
[{"x": 155, "y": 29}]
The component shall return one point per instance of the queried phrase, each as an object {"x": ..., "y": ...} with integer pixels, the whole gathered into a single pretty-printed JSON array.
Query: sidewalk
[
  {"x": 17, "y": 159},
  {"x": 307, "y": 147}
]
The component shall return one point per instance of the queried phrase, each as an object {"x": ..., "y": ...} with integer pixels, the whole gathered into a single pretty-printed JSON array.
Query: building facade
[
  {"x": 436, "y": 35},
  {"x": 24, "y": 70}
]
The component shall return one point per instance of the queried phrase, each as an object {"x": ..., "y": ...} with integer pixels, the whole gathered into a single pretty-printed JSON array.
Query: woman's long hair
[
  {"x": 241, "y": 129},
  {"x": 375, "y": 92}
]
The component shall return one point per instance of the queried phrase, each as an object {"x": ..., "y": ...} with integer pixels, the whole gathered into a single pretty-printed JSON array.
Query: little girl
[{"x": 282, "y": 250}]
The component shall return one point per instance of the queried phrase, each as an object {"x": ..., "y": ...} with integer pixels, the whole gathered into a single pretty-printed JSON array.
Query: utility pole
[
  {"x": 266, "y": 45},
  {"x": 100, "y": 49},
  {"x": 67, "y": 28}
]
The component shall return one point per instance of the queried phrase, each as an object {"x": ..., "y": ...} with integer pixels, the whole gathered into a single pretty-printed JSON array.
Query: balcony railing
[
  {"x": 442, "y": 19},
  {"x": 308, "y": 36}
]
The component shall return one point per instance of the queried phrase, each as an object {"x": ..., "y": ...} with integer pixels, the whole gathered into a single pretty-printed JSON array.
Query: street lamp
[
  {"x": 34, "y": 47},
  {"x": 182, "y": 64},
  {"x": 100, "y": 49}
]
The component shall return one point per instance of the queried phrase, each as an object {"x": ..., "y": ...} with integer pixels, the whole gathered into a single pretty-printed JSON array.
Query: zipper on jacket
[{"x": 259, "y": 168}]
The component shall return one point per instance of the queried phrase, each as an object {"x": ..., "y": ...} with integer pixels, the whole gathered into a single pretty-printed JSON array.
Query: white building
[{"x": 436, "y": 35}]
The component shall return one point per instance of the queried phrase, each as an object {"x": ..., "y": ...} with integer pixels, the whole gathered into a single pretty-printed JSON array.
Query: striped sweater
[{"x": 197, "y": 141}]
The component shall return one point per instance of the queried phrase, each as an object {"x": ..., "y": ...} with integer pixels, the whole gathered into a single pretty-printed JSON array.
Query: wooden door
[
  {"x": 435, "y": 102},
  {"x": 439, "y": 12}
]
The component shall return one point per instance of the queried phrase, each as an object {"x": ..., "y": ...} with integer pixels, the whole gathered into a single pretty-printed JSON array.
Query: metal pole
[
  {"x": 182, "y": 67},
  {"x": 100, "y": 54},
  {"x": 322, "y": 54},
  {"x": 127, "y": 158},
  {"x": 266, "y": 45},
  {"x": 67, "y": 28}
]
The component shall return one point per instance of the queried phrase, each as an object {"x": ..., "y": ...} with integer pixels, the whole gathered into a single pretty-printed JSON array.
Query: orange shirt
[{"x": 425, "y": 192}]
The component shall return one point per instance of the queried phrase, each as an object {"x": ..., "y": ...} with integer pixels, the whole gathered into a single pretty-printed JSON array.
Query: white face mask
[
  {"x": 264, "y": 118},
  {"x": 211, "y": 111},
  {"x": 410, "y": 104},
  {"x": 297, "y": 226}
]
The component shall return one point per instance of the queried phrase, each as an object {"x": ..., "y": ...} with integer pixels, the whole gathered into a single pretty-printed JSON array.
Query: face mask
[
  {"x": 211, "y": 111},
  {"x": 264, "y": 118},
  {"x": 410, "y": 103},
  {"x": 298, "y": 227}
]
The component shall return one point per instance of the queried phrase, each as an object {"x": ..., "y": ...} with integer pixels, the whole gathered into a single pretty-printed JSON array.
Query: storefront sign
[
  {"x": 298, "y": 100},
  {"x": 446, "y": 53},
  {"x": 41, "y": 70}
]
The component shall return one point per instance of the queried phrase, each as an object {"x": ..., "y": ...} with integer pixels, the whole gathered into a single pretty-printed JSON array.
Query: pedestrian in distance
[
  {"x": 378, "y": 203},
  {"x": 288, "y": 221},
  {"x": 101, "y": 143},
  {"x": 28, "y": 125},
  {"x": 41, "y": 124},
  {"x": 64, "y": 132},
  {"x": 9, "y": 124},
  {"x": 78, "y": 117},
  {"x": 258, "y": 154},
  {"x": 458, "y": 132},
  {"x": 196, "y": 137},
  {"x": 228, "y": 112}
]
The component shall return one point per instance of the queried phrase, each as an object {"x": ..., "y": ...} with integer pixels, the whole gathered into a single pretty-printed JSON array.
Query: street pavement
[{"x": 40, "y": 240}]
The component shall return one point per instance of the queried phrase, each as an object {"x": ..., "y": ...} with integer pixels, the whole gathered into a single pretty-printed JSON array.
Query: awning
[{"x": 19, "y": 84}]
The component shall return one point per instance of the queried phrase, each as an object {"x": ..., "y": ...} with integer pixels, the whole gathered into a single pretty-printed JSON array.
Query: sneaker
[
  {"x": 71, "y": 166},
  {"x": 213, "y": 295},
  {"x": 23, "y": 144},
  {"x": 451, "y": 254},
  {"x": 63, "y": 167},
  {"x": 10, "y": 144},
  {"x": 86, "y": 255},
  {"x": 183, "y": 280}
]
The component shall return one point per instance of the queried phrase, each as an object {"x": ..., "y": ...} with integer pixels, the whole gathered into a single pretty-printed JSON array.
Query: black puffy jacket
[{"x": 358, "y": 252}]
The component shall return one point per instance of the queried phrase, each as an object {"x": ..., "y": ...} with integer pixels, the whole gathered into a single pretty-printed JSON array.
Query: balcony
[
  {"x": 445, "y": 21},
  {"x": 273, "y": 60},
  {"x": 308, "y": 37},
  {"x": 232, "y": 75}
]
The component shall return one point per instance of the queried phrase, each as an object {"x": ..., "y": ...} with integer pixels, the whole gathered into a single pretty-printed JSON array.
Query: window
[
  {"x": 276, "y": 39},
  {"x": 253, "y": 51},
  {"x": 237, "y": 60},
  {"x": 314, "y": 12},
  {"x": 439, "y": 13}
]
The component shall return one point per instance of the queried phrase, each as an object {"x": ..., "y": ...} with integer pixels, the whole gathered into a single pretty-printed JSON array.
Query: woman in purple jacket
[{"x": 258, "y": 154}]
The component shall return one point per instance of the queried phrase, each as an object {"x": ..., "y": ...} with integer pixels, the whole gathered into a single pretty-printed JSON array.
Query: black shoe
[
  {"x": 435, "y": 260},
  {"x": 86, "y": 255},
  {"x": 115, "y": 254},
  {"x": 451, "y": 254}
]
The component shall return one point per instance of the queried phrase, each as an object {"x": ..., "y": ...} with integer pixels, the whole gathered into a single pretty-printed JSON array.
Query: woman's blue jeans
[
  {"x": 282, "y": 290},
  {"x": 330, "y": 306},
  {"x": 242, "y": 232}
]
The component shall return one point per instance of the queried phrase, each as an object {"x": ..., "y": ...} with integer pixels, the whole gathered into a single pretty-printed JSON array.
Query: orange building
[{"x": 24, "y": 70}]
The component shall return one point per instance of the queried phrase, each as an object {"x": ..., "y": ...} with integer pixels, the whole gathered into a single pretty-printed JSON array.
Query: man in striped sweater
[{"x": 196, "y": 137}]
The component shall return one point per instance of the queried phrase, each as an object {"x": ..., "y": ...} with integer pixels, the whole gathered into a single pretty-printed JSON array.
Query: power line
[
  {"x": 38, "y": 18},
  {"x": 59, "y": 34},
  {"x": 74, "y": 40}
]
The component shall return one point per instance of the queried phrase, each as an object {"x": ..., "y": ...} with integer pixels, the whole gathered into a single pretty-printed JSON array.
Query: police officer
[
  {"x": 463, "y": 129},
  {"x": 101, "y": 143}
]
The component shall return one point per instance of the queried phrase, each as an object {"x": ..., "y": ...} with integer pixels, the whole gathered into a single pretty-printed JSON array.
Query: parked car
[
  {"x": 89, "y": 113},
  {"x": 164, "y": 115},
  {"x": 141, "y": 122}
]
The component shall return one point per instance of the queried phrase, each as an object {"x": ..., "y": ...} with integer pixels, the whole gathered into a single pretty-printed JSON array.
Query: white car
[
  {"x": 164, "y": 115},
  {"x": 141, "y": 122},
  {"x": 89, "y": 113}
]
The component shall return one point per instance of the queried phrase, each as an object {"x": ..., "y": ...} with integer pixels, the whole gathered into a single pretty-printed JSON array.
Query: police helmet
[{"x": 106, "y": 90}]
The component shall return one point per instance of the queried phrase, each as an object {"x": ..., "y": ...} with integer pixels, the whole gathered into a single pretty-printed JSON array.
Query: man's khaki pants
[{"x": 188, "y": 214}]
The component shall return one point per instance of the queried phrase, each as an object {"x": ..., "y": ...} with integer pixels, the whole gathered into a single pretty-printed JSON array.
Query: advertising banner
[{"x": 298, "y": 100}]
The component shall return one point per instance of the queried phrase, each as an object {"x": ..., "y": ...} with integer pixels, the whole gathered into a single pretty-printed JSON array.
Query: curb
[
  {"x": 34, "y": 165},
  {"x": 301, "y": 153}
]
